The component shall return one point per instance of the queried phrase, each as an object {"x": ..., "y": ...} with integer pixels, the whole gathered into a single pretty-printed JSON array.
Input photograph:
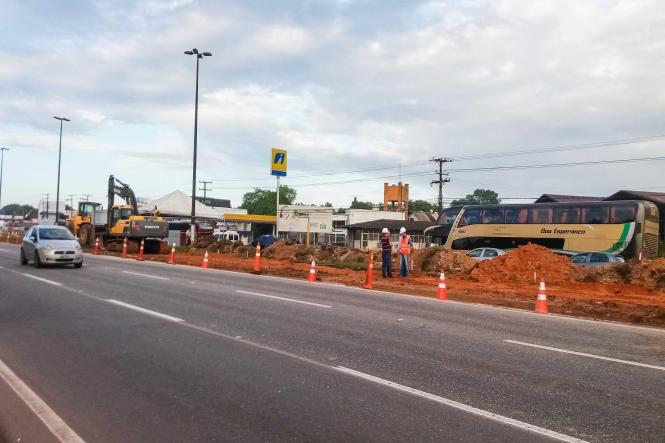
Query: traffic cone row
[
  {"x": 257, "y": 258},
  {"x": 311, "y": 277},
  {"x": 204, "y": 264},
  {"x": 541, "y": 300},
  {"x": 442, "y": 291},
  {"x": 141, "y": 256},
  {"x": 171, "y": 259},
  {"x": 370, "y": 269}
]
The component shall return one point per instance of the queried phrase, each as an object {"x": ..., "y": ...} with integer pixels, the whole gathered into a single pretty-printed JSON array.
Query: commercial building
[{"x": 366, "y": 235}]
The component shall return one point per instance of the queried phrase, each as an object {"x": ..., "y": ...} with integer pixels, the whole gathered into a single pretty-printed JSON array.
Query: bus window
[
  {"x": 566, "y": 215},
  {"x": 516, "y": 216},
  {"x": 622, "y": 214},
  {"x": 540, "y": 215},
  {"x": 470, "y": 217},
  {"x": 493, "y": 216},
  {"x": 595, "y": 215}
]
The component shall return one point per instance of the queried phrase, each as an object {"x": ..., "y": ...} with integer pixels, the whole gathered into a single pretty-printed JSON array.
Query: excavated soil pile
[
  {"x": 431, "y": 261},
  {"x": 650, "y": 275},
  {"x": 519, "y": 265},
  {"x": 203, "y": 242},
  {"x": 339, "y": 254},
  {"x": 282, "y": 250},
  {"x": 621, "y": 273}
]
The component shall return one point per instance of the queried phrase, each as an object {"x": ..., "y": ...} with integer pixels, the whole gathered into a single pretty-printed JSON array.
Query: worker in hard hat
[
  {"x": 405, "y": 247},
  {"x": 386, "y": 253}
]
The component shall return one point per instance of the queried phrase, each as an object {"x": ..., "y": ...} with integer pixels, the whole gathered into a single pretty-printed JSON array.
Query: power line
[{"x": 205, "y": 188}]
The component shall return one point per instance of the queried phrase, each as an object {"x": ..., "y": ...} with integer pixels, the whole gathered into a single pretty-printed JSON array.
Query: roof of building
[
  {"x": 654, "y": 197},
  {"x": 215, "y": 202},
  {"x": 423, "y": 216},
  {"x": 562, "y": 198},
  {"x": 251, "y": 218},
  {"x": 392, "y": 225}
]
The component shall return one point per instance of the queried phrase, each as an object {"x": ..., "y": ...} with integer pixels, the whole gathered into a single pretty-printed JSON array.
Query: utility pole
[
  {"x": 205, "y": 187},
  {"x": 441, "y": 180},
  {"x": 57, "y": 193},
  {"x": 86, "y": 196},
  {"x": 71, "y": 201},
  {"x": 2, "y": 161}
]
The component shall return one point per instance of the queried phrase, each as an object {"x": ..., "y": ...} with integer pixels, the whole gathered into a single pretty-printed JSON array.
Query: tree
[
  {"x": 422, "y": 206},
  {"x": 262, "y": 202},
  {"x": 16, "y": 209},
  {"x": 356, "y": 204},
  {"x": 479, "y": 197}
]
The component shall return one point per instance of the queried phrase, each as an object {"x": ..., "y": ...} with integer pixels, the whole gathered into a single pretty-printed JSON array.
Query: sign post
[{"x": 278, "y": 169}]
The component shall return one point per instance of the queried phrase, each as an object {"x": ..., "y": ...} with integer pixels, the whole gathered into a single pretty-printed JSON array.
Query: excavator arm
[{"x": 122, "y": 190}]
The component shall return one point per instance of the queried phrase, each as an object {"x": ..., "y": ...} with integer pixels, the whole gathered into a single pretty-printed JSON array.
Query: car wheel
[
  {"x": 24, "y": 261},
  {"x": 78, "y": 265},
  {"x": 38, "y": 261}
]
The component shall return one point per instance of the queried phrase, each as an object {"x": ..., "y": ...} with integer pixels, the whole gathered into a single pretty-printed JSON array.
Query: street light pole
[
  {"x": 2, "y": 161},
  {"x": 196, "y": 124},
  {"x": 57, "y": 192}
]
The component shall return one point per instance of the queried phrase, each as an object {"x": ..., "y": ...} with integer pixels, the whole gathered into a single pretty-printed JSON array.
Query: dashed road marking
[
  {"x": 51, "y": 282},
  {"x": 284, "y": 299},
  {"x": 157, "y": 277},
  {"x": 144, "y": 310}
]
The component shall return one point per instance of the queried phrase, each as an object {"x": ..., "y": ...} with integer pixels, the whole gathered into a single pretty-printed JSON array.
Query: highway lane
[{"x": 451, "y": 350}]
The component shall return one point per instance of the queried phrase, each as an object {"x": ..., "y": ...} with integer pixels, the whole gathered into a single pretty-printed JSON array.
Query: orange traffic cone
[
  {"x": 124, "y": 248},
  {"x": 541, "y": 301},
  {"x": 140, "y": 257},
  {"x": 96, "y": 250},
  {"x": 370, "y": 270},
  {"x": 171, "y": 259},
  {"x": 312, "y": 272},
  {"x": 257, "y": 258},
  {"x": 442, "y": 291},
  {"x": 204, "y": 264}
]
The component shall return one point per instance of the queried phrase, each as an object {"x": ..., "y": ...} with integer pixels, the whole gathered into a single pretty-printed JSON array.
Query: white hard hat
[
  {"x": 402, "y": 230},
  {"x": 385, "y": 231}
]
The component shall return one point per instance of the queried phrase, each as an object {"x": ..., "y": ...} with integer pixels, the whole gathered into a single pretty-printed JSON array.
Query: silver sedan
[{"x": 50, "y": 244}]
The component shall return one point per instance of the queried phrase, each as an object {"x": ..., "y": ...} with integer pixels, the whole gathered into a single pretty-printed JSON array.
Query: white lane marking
[
  {"x": 51, "y": 282},
  {"x": 583, "y": 354},
  {"x": 461, "y": 406},
  {"x": 146, "y": 275},
  {"x": 283, "y": 299},
  {"x": 144, "y": 310},
  {"x": 53, "y": 422}
]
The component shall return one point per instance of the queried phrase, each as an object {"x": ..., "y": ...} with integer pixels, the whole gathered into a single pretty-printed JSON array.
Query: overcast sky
[{"x": 342, "y": 85}]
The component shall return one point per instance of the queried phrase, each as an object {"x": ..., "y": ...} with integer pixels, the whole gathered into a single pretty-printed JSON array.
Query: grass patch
[{"x": 354, "y": 265}]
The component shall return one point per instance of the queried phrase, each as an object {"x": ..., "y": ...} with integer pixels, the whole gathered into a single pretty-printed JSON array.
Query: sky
[{"x": 374, "y": 87}]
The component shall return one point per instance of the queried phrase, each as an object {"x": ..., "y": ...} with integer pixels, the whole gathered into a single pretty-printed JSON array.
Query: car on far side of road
[
  {"x": 265, "y": 240},
  {"x": 596, "y": 259},
  {"x": 485, "y": 253},
  {"x": 51, "y": 245}
]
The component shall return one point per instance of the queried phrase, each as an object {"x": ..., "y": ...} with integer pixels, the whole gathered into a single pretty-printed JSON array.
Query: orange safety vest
[{"x": 404, "y": 247}]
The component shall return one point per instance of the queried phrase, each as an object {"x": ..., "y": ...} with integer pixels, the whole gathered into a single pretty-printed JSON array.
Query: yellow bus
[{"x": 625, "y": 228}]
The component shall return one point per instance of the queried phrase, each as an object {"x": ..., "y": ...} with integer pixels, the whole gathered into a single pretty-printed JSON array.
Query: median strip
[
  {"x": 145, "y": 311},
  {"x": 466, "y": 408},
  {"x": 51, "y": 282},
  {"x": 284, "y": 299},
  {"x": 583, "y": 354}
]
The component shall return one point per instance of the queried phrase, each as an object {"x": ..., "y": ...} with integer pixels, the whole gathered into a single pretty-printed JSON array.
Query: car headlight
[{"x": 77, "y": 247}]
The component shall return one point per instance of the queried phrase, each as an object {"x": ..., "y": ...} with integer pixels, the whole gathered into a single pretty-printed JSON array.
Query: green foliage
[
  {"x": 479, "y": 197},
  {"x": 356, "y": 204},
  {"x": 16, "y": 209},
  {"x": 262, "y": 202},
  {"x": 422, "y": 206}
]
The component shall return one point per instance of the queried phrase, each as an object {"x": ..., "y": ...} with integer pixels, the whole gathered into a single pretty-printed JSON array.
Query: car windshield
[{"x": 55, "y": 234}]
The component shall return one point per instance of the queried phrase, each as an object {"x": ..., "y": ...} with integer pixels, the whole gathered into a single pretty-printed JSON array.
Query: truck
[{"x": 118, "y": 222}]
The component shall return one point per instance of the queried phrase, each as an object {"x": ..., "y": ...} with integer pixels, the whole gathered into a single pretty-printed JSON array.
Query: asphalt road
[{"x": 128, "y": 351}]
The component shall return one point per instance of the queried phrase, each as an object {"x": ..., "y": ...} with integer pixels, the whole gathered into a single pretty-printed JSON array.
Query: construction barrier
[
  {"x": 257, "y": 258},
  {"x": 311, "y": 277},
  {"x": 141, "y": 256},
  {"x": 96, "y": 250},
  {"x": 370, "y": 270},
  {"x": 124, "y": 248},
  {"x": 442, "y": 291},
  {"x": 541, "y": 301},
  {"x": 171, "y": 259},
  {"x": 204, "y": 264}
]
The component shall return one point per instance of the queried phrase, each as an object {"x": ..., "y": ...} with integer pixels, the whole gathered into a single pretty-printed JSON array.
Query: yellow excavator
[{"x": 118, "y": 222}]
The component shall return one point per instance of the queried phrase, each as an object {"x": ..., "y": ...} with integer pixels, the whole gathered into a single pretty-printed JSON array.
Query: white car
[
  {"x": 485, "y": 253},
  {"x": 51, "y": 245}
]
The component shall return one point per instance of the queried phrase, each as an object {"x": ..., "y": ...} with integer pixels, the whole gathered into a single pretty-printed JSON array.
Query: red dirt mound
[{"x": 520, "y": 264}]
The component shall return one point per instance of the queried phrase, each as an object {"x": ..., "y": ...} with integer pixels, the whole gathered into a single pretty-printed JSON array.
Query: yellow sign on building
[{"x": 278, "y": 162}]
